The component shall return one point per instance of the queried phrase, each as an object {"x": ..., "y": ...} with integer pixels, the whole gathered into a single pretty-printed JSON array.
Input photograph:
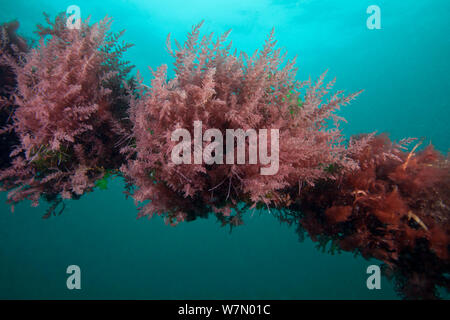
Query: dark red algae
[{"x": 395, "y": 208}]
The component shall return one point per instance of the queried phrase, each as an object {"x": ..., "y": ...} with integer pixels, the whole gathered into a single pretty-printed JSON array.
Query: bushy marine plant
[
  {"x": 71, "y": 102},
  {"x": 227, "y": 91},
  {"x": 68, "y": 103},
  {"x": 395, "y": 208}
]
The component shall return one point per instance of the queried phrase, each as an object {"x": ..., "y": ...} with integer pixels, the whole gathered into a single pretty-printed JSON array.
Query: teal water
[{"x": 404, "y": 69}]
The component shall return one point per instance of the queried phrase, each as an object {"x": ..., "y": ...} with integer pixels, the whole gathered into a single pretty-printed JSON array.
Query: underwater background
[{"x": 404, "y": 69}]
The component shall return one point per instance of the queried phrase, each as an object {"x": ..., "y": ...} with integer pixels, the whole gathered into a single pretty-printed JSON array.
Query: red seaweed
[
  {"x": 399, "y": 213},
  {"x": 67, "y": 103},
  {"x": 70, "y": 101}
]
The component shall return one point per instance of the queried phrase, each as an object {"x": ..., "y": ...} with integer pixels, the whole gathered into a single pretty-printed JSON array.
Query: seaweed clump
[
  {"x": 224, "y": 90},
  {"x": 70, "y": 99},
  {"x": 75, "y": 117},
  {"x": 395, "y": 208}
]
